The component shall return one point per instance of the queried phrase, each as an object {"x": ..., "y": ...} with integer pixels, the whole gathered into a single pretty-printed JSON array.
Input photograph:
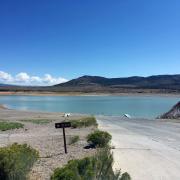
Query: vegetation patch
[
  {"x": 99, "y": 138},
  {"x": 4, "y": 126},
  {"x": 73, "y": 140},
  {"x": 84, "y": 122},
  {"x": 37, "y": 121},
  {"x": 16, "y": 161},
  {"x": 97, "y": 167}
]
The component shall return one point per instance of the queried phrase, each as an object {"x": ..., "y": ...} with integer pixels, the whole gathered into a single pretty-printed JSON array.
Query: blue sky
[{"x": 70, "y": 38}]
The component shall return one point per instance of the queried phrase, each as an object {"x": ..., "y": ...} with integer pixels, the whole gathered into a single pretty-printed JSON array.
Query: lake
[{"x": 136, "y": 106}]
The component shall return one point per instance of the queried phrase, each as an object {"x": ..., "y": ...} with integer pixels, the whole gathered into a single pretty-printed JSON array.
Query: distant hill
[
  {"x": 5, "y": 85},
  {"x": 96, "y": 84},
  {"x": 161, "y": 81},
  {"x": 174, "y": 113}
]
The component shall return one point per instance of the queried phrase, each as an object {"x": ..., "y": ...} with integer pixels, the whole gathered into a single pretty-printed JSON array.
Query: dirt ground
[{"x": 46, "y": 139}]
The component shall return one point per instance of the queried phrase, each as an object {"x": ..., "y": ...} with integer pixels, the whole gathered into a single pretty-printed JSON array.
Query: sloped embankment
[{"x": 174, "y": 113}]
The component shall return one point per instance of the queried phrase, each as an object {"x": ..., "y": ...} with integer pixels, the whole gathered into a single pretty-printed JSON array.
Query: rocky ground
[
  {"x": 174, "y": 113},
  {"x": 46, "y": 139}
]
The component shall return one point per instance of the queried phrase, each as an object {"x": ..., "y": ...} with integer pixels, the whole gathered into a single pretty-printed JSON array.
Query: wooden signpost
[{"x": 63, "y": 125}]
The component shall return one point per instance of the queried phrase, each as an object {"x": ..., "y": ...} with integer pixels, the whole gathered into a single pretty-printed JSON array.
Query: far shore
[{"x": 5, "y": 93}]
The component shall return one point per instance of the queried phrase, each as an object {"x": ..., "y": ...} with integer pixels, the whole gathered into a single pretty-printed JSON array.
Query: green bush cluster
[
  {"x": 99, "y": 138},
  {"x": 4, "y": 126},
  {"x": 84, "y": 122},
  {"x": 73, "y": 140},
  {"x": 16, "y": 161},
  {"x": 97, "y": 167}
]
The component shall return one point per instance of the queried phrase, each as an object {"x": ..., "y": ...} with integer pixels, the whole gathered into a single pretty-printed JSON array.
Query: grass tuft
[
  {"x": 37, "y": 121},
  {"x": 4, "y": 126},
  {"x": 73, "y": 140},
  {"x": 84, "y": 122}
]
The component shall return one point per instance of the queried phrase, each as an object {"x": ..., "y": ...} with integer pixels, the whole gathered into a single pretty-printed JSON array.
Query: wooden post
[
  {"x": 64, "y": 136},
  {"x": 63, "y": 125}
]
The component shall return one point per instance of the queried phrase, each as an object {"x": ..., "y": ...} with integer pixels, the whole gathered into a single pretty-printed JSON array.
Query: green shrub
[
  {"x": 103, "y": 161},
  {"x": 126, "y": 176},
  {"x": 37, "y": 121},
  {"x": 4, "y": 126},
  {"x": 73, "y": 140},
  {"x": 97, "y": 167},
  {"x": 16, "y": 161},
  {"x": 99, "y": 138},
  {"x": 84, "y": 122}
]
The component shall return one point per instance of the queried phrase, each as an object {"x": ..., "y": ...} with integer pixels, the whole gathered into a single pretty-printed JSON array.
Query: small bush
[
  {"x": 125, "y": 176},
  {"x": 97, "y": 167},
  {"x": 16, "y": 161},
  {"x": 99, "y": 138},
  {"x": 37, "y": 121},
  {"x": 4, "y": 126},
  {"x": 73, "y": 140},
  {"x": 84, "y": 122}
]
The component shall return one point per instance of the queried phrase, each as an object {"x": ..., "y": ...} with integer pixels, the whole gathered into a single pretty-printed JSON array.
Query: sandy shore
[
  {"x": 3, "y": 106},
  {"x": 46, "y": 139},
  {"x": 148, "y": 150}
]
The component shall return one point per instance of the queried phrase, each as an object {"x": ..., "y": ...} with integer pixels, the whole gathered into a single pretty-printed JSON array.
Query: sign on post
[{"x": 63, "y": 125}]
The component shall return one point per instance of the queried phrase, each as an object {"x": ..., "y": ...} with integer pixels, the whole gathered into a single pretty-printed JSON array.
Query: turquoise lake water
[{"x": 136, "y": 106}]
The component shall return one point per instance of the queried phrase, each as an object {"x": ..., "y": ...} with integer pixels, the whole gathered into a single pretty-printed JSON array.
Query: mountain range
[{"x": 97, "y": 84}]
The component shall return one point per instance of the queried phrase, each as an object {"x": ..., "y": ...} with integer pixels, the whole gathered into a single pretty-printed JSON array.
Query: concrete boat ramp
[{"x": 146, "y": 149}]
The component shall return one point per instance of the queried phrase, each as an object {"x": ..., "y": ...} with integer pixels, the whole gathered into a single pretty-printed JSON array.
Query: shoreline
[
  {"x": 2, "y": 106},
  {"x": 87, "y": 94}
]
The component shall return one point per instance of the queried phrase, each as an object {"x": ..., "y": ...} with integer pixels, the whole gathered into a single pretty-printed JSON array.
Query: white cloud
[
  {"x": 23, "y": 78},
  {"x": 35, "y": 79},
  {"x": 61, "y": 80},
  {"x": 48, "y": 79},
  {"x": 5, "y": 76}
]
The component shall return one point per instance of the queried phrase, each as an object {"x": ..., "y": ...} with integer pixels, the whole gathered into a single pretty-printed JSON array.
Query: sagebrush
[
  {"x": 97, "y": 167},
  {"x": 16, "y": 161},
  {"x": 99, "y": 138}
]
